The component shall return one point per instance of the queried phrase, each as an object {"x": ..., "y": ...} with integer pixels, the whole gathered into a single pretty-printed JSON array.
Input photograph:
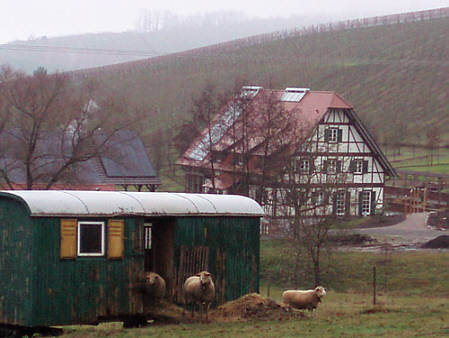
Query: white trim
[{"x": 78, "y": 240}]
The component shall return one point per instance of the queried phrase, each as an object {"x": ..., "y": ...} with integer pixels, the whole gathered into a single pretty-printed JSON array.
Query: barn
[{"x": 69, "y": 257}]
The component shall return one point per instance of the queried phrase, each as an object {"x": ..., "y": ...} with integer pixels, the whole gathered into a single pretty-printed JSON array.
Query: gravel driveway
[{"x": 410, "y": 232}]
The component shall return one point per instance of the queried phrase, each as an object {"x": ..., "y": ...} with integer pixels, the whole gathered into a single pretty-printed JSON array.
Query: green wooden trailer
[{"x": 72, "y": 257}]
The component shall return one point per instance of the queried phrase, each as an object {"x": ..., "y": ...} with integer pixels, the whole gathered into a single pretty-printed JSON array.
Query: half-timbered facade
[{"x": 334, "y": 164}]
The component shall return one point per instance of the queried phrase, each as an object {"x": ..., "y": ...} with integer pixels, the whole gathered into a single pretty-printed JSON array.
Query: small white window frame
[
  {"x": 331, "y": 166},
  {"x": 304, "y": 166},
  {"x": 103, "y": 239},
  {"x": 366, "y": 203},
  {"x": 358, "y": 167},
  {"x": 340, "y": 203},
  {"x": 333, "y": 135}
]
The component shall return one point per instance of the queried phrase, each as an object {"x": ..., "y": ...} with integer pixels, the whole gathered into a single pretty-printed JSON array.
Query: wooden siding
[
  {"x": 85, "y": 288},
  {"x": 16, "y": 263},
  {"x": 40, "y": 289},
  {"x": 233, "y": 252}
]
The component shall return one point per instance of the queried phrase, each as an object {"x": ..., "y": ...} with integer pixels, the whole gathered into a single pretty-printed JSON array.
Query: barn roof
[
  {"x": 125, "y": 160},
  {"x": 75, "y": 203}
]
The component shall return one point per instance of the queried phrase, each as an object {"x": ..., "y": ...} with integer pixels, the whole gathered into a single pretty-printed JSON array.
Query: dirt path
[{"x": 413, "y": 230}]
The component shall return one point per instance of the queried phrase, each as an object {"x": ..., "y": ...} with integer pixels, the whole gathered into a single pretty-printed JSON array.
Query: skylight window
[{"x": 294, "y": 94}]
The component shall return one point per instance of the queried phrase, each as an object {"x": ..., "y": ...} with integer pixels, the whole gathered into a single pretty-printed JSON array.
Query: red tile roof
[{"x": 308, "y": 111}]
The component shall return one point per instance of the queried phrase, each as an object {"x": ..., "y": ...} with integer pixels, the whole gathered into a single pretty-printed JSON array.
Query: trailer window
[{"x": 91, "y": 240}]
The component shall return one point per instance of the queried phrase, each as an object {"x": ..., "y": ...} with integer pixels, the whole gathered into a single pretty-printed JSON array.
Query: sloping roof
[
  {"x": 74, "y": 203},
  {"x": 308, "y": 108},
  {"x": 308, "y": 111},
  {"x": 124, "y": 162}
]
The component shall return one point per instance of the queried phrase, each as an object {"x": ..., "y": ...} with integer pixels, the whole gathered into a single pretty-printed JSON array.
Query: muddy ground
[{"x": 410, "y": 234}]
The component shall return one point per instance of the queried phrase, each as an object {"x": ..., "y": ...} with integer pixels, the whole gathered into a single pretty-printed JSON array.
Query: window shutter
[
  {"x": 116, "y": 229},
  {"x": 365, "y": 167},
  {"x": 340, "y": 135},
  {"x": 360, "y": 202},
  {"x": 326, "y": 135},
  {"x": 325, "y": 166},
  {"x": 68, "y": 238},
  {"x": 348, "y": 203},
  {"x": 334, "y": 203},
  {"x": 373, "y": 202},
  {"x": 338, "y": 169},
  {"x": 311, "y": 166},
  {"x": 352, "y": 166},
  {"x": 314, "y": 197}
]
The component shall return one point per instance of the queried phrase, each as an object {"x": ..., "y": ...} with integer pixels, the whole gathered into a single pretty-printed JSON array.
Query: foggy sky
[{"x": 22, "y": 19}]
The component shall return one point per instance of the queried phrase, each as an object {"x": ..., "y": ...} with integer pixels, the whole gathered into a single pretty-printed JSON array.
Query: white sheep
[
  {"x": 304, "y": 299},
  {"x": 154, "y": 286},
  {"x": 199, "y": 289}
]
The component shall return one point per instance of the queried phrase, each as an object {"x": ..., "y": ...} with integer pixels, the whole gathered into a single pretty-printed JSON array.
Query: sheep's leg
[
  {"x": 207, "y": 311},
  {"x": 201, "y": 311},
  {"x": 193, "y": 308}
]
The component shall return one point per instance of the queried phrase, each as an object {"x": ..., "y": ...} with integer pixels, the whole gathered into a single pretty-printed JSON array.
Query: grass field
[
  {"x": 420, "y": 159},
  {"x": 413, "y": 300}
]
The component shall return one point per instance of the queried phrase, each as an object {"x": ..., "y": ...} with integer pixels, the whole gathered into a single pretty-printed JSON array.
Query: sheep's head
[
  {"x": 151, "y": 278},
  {"x": 320, "y": 291},
  {"x": 205, "y": 278}
]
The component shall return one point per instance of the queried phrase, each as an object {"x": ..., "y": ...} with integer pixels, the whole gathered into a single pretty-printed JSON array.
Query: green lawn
[
  {"x": 412, "y": 300},
  {"x": 349, "y": 314}
]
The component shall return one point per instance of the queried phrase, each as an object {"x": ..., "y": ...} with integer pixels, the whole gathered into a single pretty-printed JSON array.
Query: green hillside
[{"x": 396, "y": 75}]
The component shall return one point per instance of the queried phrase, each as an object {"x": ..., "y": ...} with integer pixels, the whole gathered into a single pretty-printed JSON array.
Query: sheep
[
  {"x": 199, "y": 289},
  {"x": 154, "y": 286},
  {"x": 304, "y": 299}
]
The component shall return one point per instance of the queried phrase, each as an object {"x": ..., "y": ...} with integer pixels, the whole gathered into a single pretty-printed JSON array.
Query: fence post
[{"x": 374, "y": 285}]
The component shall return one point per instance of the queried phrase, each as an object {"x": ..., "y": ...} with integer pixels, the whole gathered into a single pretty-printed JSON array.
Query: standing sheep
[
  {"x": 304, "y": 299},
  {"x": 154, "y": 286},
  {"x": 199, "y": 289}
]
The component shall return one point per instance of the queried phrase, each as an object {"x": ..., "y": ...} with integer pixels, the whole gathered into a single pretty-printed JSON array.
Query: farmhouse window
[
  {"x": 358, "y": 167},
  {"x": 333, "y": 135},
  {"x": 340, "y": 203},
  {"x": 194, "y": 183},
  {"x": 332, "y": 166},
  {"x": 304, "y": 166},
  {"x": 367, "y": 201},
  {"x": 91, "y": 238}
]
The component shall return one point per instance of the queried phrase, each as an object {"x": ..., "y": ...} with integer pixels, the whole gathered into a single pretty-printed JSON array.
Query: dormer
[{"x": 294, "y": 94}]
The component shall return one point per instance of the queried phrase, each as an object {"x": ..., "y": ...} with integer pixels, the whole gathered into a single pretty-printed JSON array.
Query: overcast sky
[{"x": 21, "y": 19}]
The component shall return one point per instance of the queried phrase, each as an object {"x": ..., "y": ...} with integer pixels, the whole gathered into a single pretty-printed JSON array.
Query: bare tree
[
  {"x": 52, "y": 126},
  {"x": 312, "y": 201}
]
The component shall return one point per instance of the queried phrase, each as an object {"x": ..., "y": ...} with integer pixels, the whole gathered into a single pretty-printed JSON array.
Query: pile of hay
[{"x": 252, "y": 306}]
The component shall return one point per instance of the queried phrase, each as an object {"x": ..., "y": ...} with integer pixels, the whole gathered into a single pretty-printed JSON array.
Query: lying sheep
[
  {"x": 304, "y": 299},
  {"x": 154, "y": 286},
  {"x": 199, "y": 289}
]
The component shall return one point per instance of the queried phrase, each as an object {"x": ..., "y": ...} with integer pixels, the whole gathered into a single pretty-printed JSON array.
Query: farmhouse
[
  {"x": 122, "y": 164},
  {"x": 273, "y": 144},
  {"x": 70, "y": 257}
]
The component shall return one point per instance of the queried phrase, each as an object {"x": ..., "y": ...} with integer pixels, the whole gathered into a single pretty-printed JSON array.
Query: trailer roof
[{"x": 70, "y": 203}]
